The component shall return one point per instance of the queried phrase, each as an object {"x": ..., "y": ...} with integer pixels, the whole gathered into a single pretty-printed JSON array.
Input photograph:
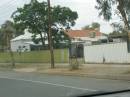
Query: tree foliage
[
  {"x": 118, "y": 27},
  {"x": 108, "y": 8},
  {"x": 34, "y": 17},
  {"x": 7, "y": 32},
  {"x": 2, "y": 42},
  {"x": 95, "y": 25},
  {"x": 86, "y": 27},
  {"x": 119, "y": 30},
  {"x": 19, "y": 29},
  {"x": 92, "y": 26}
]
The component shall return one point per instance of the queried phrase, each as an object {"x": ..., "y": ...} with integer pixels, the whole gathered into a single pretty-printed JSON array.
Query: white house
[{"x": 23, "y": 42}]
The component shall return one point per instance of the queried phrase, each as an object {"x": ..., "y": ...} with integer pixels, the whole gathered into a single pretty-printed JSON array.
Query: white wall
[
  {"x": 113, "y": 53},
  {"x": 15, "y": 45}
]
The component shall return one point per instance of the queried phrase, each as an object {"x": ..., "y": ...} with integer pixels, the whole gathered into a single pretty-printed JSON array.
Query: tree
[
  {"x": 92, "y": 26},
  {"x": 86, "y": 27},
  {"x": 2, "y": 42},
  {"x": 95, "y": 25},
  {"x": 7, "y": 30},
  {"x": 119, "y": 30},
  {"x": 120, "y": 8},
  {"x": 118, "y": 27},
  {"x": 19, "y": 29},
  {"x": 35, "y": 18}
]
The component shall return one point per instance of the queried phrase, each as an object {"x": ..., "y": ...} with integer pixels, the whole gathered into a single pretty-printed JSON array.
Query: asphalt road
[{"x": 14, "y": 84}]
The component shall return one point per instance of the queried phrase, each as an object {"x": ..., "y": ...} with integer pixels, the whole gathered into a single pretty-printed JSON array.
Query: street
[{"x": 14, "y": 84}]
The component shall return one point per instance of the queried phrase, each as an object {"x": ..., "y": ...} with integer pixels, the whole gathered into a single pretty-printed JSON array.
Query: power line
[
  {"x": 6, "y": 11},
  {"x": 11, "y": 8},
  {"x": 50, "y": 35},
  {"x": 11, "y": 4},
  {"x": 7, "y": 3}
]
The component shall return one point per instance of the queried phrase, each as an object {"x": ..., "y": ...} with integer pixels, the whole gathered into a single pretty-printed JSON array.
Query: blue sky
[{"x": 85, "y": 8}]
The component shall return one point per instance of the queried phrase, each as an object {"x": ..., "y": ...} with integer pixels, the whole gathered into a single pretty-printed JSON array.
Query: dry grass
[
  {"x": 106, "y": 69},
  {"x": 92, "y": 69}
]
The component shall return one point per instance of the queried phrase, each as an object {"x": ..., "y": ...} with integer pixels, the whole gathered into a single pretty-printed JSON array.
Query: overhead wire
[
  {"x": 8, "y": 8},
  {"x": 8, "y": 3}
]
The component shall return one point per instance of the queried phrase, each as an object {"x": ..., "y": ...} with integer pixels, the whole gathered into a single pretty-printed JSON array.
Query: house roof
[
  {"x": 82, "y": 33},
  {"x": 23, "y": 37},
  {"x": 26, "y": 36}
]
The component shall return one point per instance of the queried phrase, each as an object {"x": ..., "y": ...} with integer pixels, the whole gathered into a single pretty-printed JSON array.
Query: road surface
[{"x": 14, "y": 84}]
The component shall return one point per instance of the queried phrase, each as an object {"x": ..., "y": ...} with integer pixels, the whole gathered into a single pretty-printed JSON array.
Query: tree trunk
[
  {"x": 10, "y": 51},
  {"x": 123, "y": 13},
  {"x": 42, "y": 40},
  {"x": 125, "y": 19},
  {"x": 48, "y": 40},
  {"x": 12, "y": 58}
]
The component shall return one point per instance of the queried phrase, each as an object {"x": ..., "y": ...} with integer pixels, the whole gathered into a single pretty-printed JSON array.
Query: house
[
  {"x": 98, "y": 47},
  {"x": 88, "y": 36},
  {"x": 79, "y": 38},
  {"x": 118, "y": 38},
  {"x": 24, "y": 42}
]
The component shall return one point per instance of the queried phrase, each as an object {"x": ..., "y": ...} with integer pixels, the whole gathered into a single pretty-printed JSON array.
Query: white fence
[{"x": 110, "y": 53}]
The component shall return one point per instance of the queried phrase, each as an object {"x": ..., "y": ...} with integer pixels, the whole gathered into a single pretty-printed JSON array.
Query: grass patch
[{"x": 61, "y": 56}]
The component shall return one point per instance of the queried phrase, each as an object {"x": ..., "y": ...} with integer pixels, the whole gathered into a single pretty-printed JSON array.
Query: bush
[{"x": 74, "y": 64}]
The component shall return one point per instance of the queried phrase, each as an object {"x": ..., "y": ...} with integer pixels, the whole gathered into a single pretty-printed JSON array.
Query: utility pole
[{"x": 50, "y": 36}]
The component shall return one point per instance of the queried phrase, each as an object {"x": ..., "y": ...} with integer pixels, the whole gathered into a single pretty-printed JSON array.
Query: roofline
[{"x": 20, "y": 39}]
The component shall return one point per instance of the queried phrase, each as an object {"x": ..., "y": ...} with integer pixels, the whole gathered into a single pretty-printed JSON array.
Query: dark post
[{"x": 50, "y": 36}]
